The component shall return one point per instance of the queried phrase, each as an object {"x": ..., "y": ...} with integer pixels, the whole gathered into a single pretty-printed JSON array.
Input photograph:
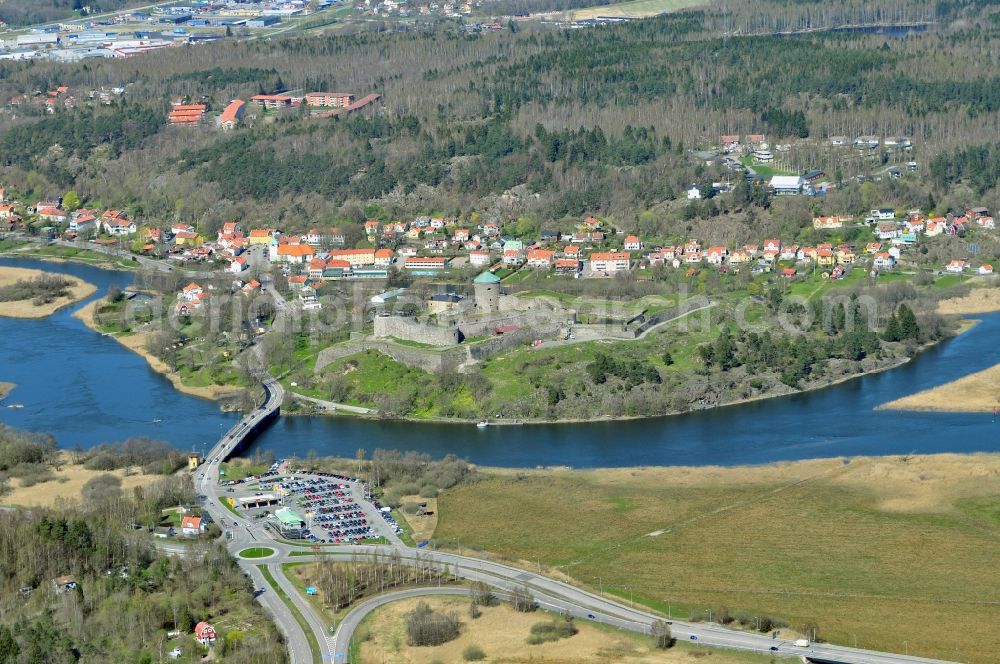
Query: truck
[{"x": 802, "y": 643}]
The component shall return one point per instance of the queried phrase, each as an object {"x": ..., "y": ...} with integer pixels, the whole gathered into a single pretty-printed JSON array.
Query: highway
[{"x": 548, "y": 593}]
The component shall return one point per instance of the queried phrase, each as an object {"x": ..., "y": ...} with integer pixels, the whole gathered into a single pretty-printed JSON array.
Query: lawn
[
  {"x": 871, "y": 550},
  {"x": 763, "y": 170},
  {"x": 239, "y": 470},
  {"x": 636, "y": 8},
  {"x": 256, "y": 552},
  {"x": 950, "y": 280}
]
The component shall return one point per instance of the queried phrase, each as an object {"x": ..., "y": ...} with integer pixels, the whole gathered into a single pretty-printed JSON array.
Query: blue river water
[{"x": 86, "y": 389}]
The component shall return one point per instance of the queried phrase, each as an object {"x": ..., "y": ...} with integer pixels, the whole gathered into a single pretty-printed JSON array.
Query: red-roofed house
[
  {"x": 985, "y": 269},
  {"x": 958, "y": 266},
  {"x": 296, "y": 254},
  {"x": 383, "y": 257},
  {"x": 52, "y": 214},
  {"x": 192, "y": 525},
  {"x": 716, "y": 255},
  {"x": 541, "y": 258},
  {"x": 632, "y": 243},
  {"x": 272, "y": 101},
  {"x": 205, "y": 634},
  {"x": 479, "y": 257},
  {"x": 238, "y": 264},
  {"x": 118, "y": 226}
]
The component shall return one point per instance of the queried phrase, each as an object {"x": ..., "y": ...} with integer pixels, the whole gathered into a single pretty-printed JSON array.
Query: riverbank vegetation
[
  {"x": 857, "y": 549},
  {"x": 28, "y": 293}
]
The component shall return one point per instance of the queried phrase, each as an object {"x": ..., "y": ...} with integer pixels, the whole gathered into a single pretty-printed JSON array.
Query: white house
[
  {"x": 883, "y": 261},
  {"x": 693, "y": 193},
  {"x": 985, "y": 269},
  {"x": 238, "y": 264},
  {"x": 611, "y": 262},
  {"x": 84, "y": 223},
  {"x": 192, "y": 525},
  {"x": 957, "y": 266},
  {"x": 479, "y": 258},
  {"x": 632, "y": 243},
  {"x": 119, "y": 227},
  {"x": 883, "y": 214}
]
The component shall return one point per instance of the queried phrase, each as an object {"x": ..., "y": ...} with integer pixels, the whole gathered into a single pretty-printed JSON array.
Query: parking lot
[{"x": 333, "y": 507}]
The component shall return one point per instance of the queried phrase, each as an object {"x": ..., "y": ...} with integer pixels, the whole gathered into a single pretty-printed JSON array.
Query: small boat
[
  {"x": 16, "y": 405},
  {"x": 482, "y": 425},
  {"x": 157, "y": 421}
]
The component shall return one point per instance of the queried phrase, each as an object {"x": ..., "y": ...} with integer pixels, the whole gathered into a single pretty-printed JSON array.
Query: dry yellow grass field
[
  {"x": 978, "y": 301},
  {"x": 502, "y": 634},
  {"x": 870, "y": 549},
  {"x": 423, "y": 525},
  {"x": 137, "y": 344},
  {"x": 975, "y": 393},
  {"x": 65, "y": 486},
  {"x": 25, "y": 309}
]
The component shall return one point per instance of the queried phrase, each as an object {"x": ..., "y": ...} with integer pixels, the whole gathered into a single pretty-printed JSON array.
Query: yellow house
[
  {"x": 188, "y": 239},
  {"x": 193, "y": 460},
  {"x": 261, "y": 236},
  {"x": 826, "y": 257}
]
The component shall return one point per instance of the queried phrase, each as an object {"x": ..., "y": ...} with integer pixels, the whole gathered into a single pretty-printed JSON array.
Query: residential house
[
  {"x": 251, "y": 287},
  {"x": 587, "y": 238},
  {"x": 789, "y": 252},
  {"x": 117, "y": 226},
  {"x": 887, "y": 230},
  {"x": 591, "y": 223},
  {"x": 827, "y": 222},
  {"x": 383, "y": 257},
  {"x": 571, "y": 251},
  {"x": 883, "y": 260},
  {"x": 825, "y": 257},
  {"x": 739, "y": 257},
  {"x": 461, "y": 235},
  {"x": 238, "y": 264},
  {"x": 324, "y": 237},
  {"x": 693, "y": 193},
  {"x": 986, "y": 222},
  {"x": 845, "y": 255},
  {"x": 730, "y": 143},
  {"x": 611, "y": 262},
  {"x": 7, "y": 211},
  {"x": 371, "y": 227},
  {"x": 883, "y": 214},
  {"x": 82, "y": 223},
  {"x": 632, "y": 243},
  {"x": 262, "y": 236},
  {"x": 873, "y": 247},
  {"x": 716, "y": 255},
  {"x": 934, "y": 227},
  {"x": 914, "y": 225},
  {"x": 772, "y": 246},
  {"x": 512, "y": 257},
  {"x": 975, "y": 212},
  {"x": 163, "y": 532},
  {"x": 294, "y": 254},
  {"x": 567, "y": 266},
  {"x": 541, "y": 258},
  {"x": 192, "y": 525},
  {"x": 752, "y": 249},
  {"x": 65, "y": 583},
  {"x": 807, "y": 254},
  {"x": 957, "y": 266},
  {"x": 986, "y": 268},
  {"x": 479, "y": 258},
  {"x": 54, "y": 214},
  {"x": 205, "y": 634},
  {"x": 788, "y": 272}
]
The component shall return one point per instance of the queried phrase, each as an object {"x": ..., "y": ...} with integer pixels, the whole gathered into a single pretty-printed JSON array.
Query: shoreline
[
  {"x": 5, "y": 389},
  {"x": 610, "y": 418},
  {"x": 137, "y": 344},
  {"x": 978, "y": 392},
  {"x": 78, "y": 291}
]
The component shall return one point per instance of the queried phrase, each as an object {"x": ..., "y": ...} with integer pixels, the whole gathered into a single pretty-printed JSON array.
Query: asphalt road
[{"x": 549, "y": 593}]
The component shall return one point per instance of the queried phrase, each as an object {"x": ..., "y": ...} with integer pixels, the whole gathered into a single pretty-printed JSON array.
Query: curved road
[{"x": 548, "y": 593}]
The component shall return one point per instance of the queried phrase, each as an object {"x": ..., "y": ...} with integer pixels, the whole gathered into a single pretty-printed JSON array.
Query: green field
[
  {"x": 872, "y": 550},
  {"x": 256, "y": 552},
  {"x": 763, "y": 170},
  {"x": 636, "y": 8}
]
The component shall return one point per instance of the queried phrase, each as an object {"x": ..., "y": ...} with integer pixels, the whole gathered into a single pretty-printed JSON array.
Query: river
[{"x": 87, "y": 389}]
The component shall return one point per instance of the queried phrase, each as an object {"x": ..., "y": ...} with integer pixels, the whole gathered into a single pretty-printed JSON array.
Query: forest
[
  {"x": 27, "y": 12},
  {"x": 558, "y": 123},
  {"x": 128, "y": 596}
]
